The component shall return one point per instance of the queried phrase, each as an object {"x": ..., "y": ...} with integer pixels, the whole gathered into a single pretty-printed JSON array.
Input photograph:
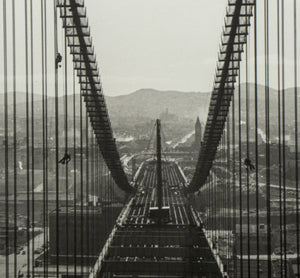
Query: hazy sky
[
  {"x": 173, "y": 44},
  {"x": 166, "y": 45},
  {"x": 169, "y": 44}
]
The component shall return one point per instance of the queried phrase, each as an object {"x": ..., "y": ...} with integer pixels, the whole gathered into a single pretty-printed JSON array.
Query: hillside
[{"x": 150, "y": 103}]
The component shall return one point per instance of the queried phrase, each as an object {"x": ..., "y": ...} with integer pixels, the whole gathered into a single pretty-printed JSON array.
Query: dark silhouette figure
[
  {"x": 248, "y": 164},
  {"x": 66, "y": 159},
  {"x": 58, "y": 60}
]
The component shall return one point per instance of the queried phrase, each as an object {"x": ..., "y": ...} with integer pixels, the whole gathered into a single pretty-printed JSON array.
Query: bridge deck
[{"x": 142, "y": 248}]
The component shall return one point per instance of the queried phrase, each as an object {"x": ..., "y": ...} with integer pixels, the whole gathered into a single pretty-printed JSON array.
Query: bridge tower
[
  {"x": 198, "y": 134},
  {"x": 158, "y": 166}
]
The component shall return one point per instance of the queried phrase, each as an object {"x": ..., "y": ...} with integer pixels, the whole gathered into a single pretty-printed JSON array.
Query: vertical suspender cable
[
  {"x": 6, "y": 138},
  {"x": 283, "y": 138},
  {"x": 256, "y": 144},
  {"x": 215, "y": 181},
  {"x": 96, "y": 172},
  {"x": 98, "y": 182},
  {"x": 296, "y": 135},
  {"x": 279, "y": 136},
  {"x": 27, "y": 139},
  {"x": 222, "y": 205},
  {"x": 108, "y": 199},
  {"x": 56, "y": 141},
  {"x": 225, "y": 182},
  {"x": 234, "y": 251},
  {"x": 81, "y": 183},
  {"x": 93, "y": 164},
  {"x": 229, "y": 186},
  {"x": 46, "y": 256},
  {"x": 105, "y": 197},
  {"x": 240, "y": 178},
  {"x": 219, "y": 205},
  {"x": 75, "y": 173},
  {"x": 267, "y": 120},
  {"x": 247, "y": 169},
  {"x": 14, "y": 135},
  {"x": 209, "y": 206},
  {"x": 93, "y": 194},
  {"x": 66, "y": 143},
  {"x": 214, "y": 208},
  {"x": 43, "y": 133},
  {"x": 87, "y": 187},
  {"x": 226, "y": 200},
  {"x": 32, "y": 134}
]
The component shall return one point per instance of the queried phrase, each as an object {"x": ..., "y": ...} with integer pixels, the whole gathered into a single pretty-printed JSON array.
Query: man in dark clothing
[
  {"x": 58, "y": 60},
  {"x": 65, "y": 159},
  {"x": 248, "y": 164}
]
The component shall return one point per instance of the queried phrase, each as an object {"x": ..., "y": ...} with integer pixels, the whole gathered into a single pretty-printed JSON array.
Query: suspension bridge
[{"x": 236, "y": 216}]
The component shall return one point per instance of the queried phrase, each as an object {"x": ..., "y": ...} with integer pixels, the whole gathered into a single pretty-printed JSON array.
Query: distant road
[
  {"x": 184, "y": 139},
  {"x": 265, "y": 257},
  {"x": 277, "y": 186}
]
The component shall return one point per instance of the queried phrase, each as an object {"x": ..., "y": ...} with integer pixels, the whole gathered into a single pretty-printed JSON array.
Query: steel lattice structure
[
  {"x": 234, "y": 37},
  {"x": 73, "y": 14}
]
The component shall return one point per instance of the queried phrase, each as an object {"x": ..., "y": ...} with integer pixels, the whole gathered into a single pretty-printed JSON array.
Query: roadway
[{"x": 141, "y": 247}]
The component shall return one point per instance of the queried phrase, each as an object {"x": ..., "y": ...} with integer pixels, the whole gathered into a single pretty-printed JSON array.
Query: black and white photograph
[{"x": 149, "y": 138}]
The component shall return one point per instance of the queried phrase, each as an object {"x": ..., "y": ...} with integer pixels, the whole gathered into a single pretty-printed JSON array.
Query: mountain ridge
[{"x": 150, "y": 103}]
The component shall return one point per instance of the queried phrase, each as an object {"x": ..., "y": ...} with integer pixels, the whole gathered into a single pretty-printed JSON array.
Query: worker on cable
[
  {"x": 66, "y": 159},
  {"x": 248, "y": 164},
  {"x": 58, "y": 60}
]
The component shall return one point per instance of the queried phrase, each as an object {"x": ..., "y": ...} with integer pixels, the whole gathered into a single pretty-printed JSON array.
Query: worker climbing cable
[
  {"x": 66, "y": 159},
  {"x": 248, "y": 164},
  {"x": 58, "y": 60}
]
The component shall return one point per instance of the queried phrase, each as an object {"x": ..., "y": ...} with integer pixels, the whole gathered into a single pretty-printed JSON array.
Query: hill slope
[{"x": 151, "y": 103}]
